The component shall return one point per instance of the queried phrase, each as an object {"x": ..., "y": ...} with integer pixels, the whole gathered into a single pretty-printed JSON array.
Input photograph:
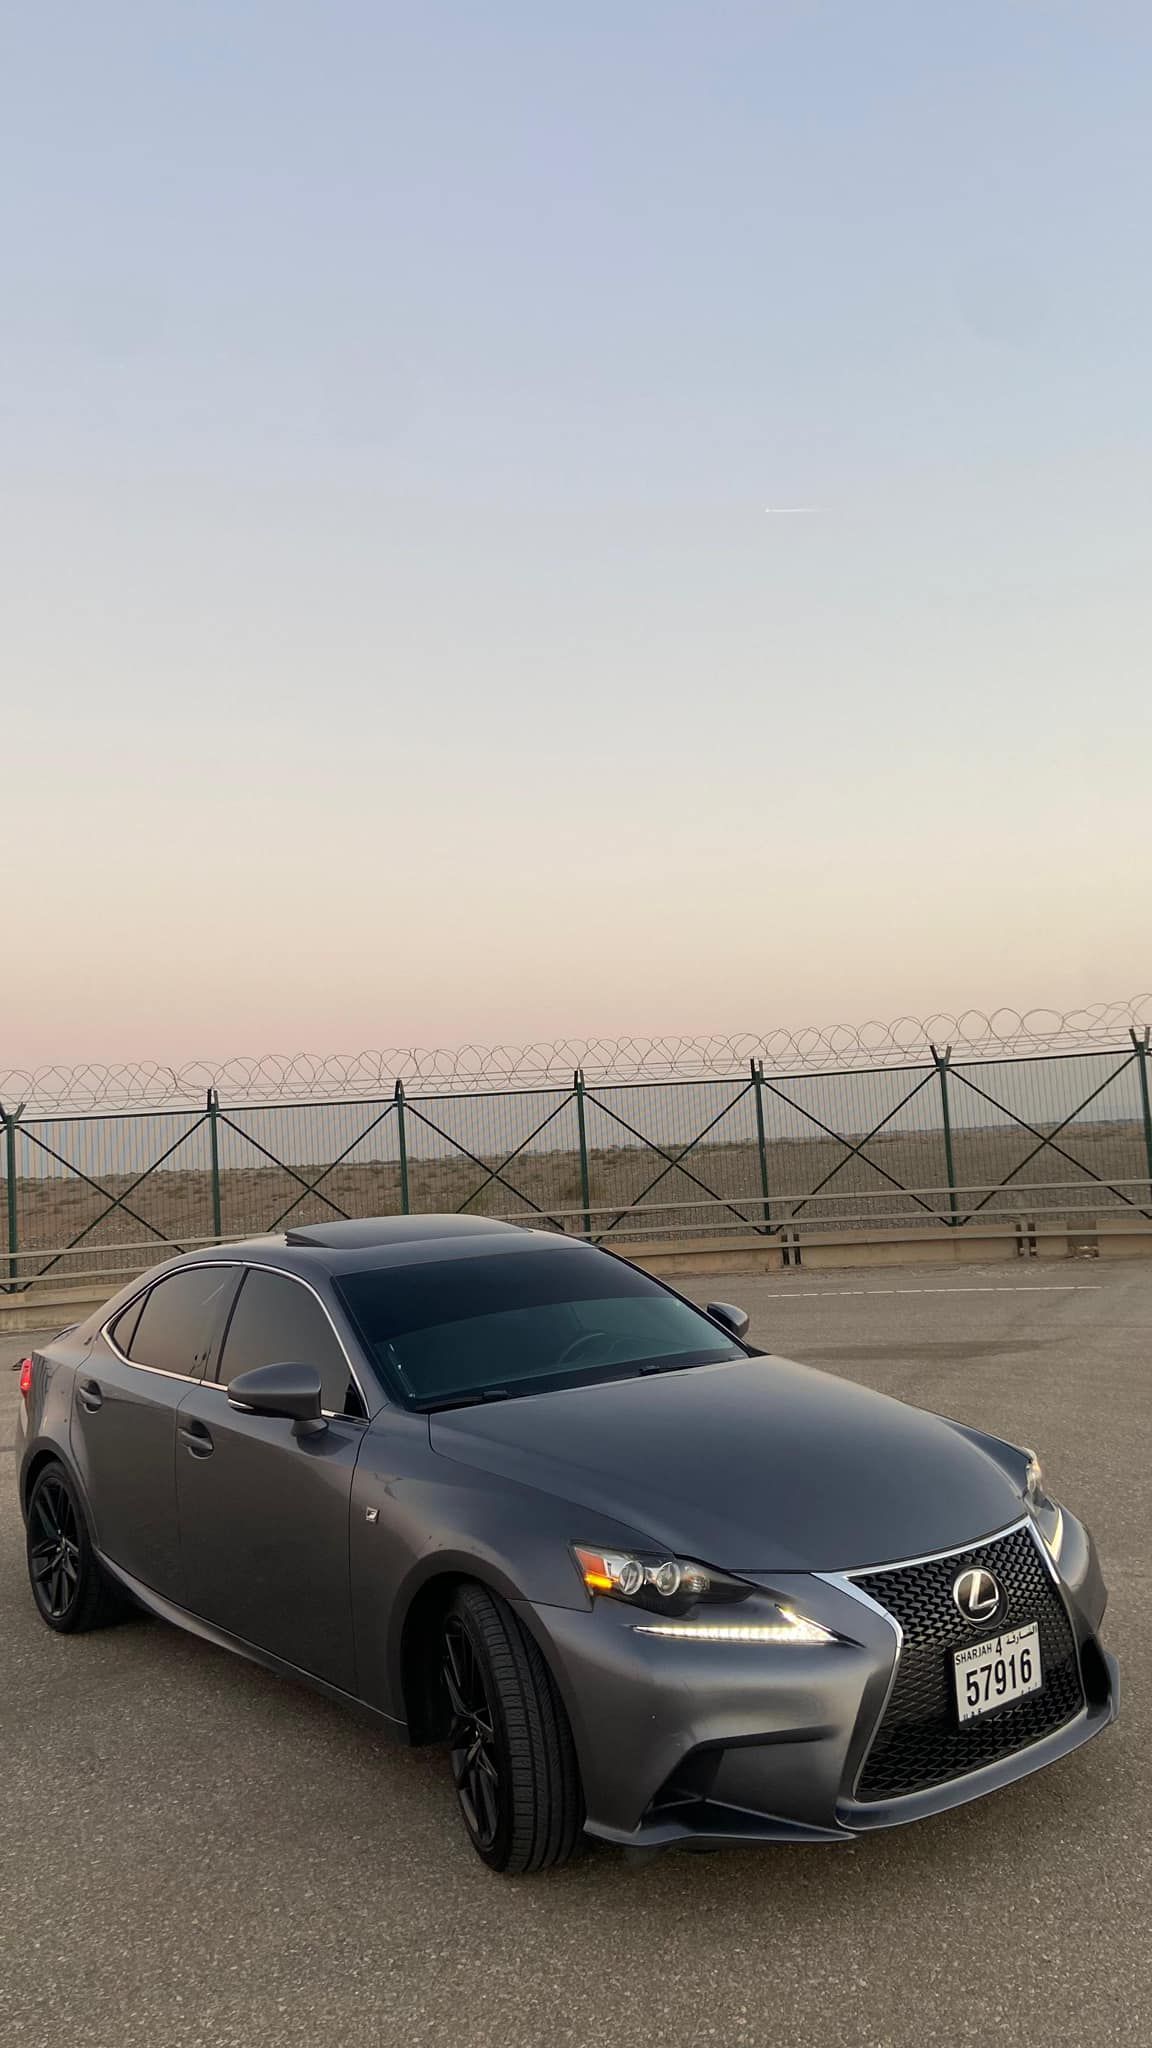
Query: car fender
[
  {"x": 44, "y": 1424},
  {"x": 39, "y": 1448},
  {"x": 415, "y": 1518}
]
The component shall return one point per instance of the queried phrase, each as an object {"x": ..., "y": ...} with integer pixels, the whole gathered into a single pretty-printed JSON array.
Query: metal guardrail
[{"x": 1027, "y": 1220}]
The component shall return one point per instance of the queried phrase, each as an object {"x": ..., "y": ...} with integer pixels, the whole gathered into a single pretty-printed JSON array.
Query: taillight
[{"x": 25, "y": 1377}]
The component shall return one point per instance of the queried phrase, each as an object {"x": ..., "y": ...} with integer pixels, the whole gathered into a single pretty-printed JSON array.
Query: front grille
[{"x": 920, "y": 1740}]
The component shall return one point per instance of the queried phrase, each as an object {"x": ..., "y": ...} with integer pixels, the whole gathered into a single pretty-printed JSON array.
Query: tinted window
[
  {"x": 180, "y": 1318},
  {"x": 276, "y": 1321},
  {"x": 523, "y": 1321},
  {"x": 121, "y": 1330}
]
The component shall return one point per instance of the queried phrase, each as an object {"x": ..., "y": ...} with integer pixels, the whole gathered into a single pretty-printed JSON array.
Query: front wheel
[
  {"x": 513, "y": 1758},
  {"x": 70, "y": 1589}
]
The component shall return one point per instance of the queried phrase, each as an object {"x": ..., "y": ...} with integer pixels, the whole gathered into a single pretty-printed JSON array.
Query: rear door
[
  {"x": 263, "y": 1511},
  {"x": 125, "y": 1398}
]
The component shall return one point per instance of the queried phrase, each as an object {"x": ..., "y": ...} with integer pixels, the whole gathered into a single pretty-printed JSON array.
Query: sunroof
[{"x": 358, "y": 1232}]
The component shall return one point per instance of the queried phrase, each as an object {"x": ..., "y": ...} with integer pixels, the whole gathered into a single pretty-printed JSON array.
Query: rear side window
[
  {"x": 179, "y": 1320},
  {"x": 123, "y": 1329},
  {"x": 277, "y": 1321}
]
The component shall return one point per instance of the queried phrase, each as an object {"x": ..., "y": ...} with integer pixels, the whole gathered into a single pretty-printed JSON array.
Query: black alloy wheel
[
  {"x": 54, "y": 1549},
  {"x": 472, "y": 1738},
  {"x": 513, "y": 1759},
  {"x": 71, "y": 1592}
]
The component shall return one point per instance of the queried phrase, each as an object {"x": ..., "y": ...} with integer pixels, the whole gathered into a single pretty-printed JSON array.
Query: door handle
[
  {"x": 196, "y": 1439},
  {"x": 90, "y": 1396}
]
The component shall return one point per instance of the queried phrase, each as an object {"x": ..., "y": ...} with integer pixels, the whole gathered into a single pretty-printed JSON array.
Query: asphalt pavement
[{"x": 195, "y": 1854}]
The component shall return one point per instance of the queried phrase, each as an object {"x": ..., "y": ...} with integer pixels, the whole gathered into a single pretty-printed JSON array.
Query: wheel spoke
[
  {"x": 45, "y": 1518},
  {"x": 54, "y": 1548},
  {"x": 453, "y": 1666},
  {"x": 472, "y": 1678},
  {"x": 455, "y": 1697},
  {"x": 490, "y": 1805},
  {"x": 472, "y": 1737}
]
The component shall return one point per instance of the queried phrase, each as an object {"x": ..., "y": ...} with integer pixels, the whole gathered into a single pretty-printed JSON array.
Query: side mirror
[
  {"x": 293, "y": 1391},
  {"x": 737, "y": 1320}
]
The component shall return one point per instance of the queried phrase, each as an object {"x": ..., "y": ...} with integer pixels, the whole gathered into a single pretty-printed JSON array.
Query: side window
[
  {"x": 277, "y": 1321},
  {"x": 121, "y": 1330},
  {"x": 179, "y": 1320}
]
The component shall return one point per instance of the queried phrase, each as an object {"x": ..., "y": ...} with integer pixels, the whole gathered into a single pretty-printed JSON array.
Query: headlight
[
  {"x": 665, "y": 1583},
  {"x": 1044, "y": 1511},
  {"x": 791, "y": 1628},
  {"x": 672, "y": 1586}
]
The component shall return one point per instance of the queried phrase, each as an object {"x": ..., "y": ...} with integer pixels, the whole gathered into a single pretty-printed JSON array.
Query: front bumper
[{"x": 744, "y": 1743}]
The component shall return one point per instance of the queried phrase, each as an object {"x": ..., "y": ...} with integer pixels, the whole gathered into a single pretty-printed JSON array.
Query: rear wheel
[
  {"x": 513, "y": 1758},
  {"x": 71, "y": 1591}
]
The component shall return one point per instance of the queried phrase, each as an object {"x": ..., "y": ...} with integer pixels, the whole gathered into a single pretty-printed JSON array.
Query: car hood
[{"x": 758, "y": 1465}]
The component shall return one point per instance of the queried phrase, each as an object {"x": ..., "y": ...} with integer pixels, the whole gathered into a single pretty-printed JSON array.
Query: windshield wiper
[
  {"x": 688, "y": 1364},
  {"x": 434, "y": 1404}
]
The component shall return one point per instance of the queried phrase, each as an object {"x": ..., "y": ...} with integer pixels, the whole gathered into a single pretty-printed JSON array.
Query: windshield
[{"x": 458, "y": 1330}]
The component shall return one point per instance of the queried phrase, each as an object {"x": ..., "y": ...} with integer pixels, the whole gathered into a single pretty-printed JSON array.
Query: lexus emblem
[{"x": 978, "y": 1596}]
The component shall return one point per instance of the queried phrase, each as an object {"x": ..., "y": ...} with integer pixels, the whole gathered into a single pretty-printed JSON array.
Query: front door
[
  {"x": 125, "y": 1398},
  {"x": 263, "y": 1510}
]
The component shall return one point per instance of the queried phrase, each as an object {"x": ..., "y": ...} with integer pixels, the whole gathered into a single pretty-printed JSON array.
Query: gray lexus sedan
[{"x": 510, "y": 1494}]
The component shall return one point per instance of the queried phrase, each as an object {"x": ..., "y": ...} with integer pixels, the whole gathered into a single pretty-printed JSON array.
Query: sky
[{"x": 521, "y": 521}]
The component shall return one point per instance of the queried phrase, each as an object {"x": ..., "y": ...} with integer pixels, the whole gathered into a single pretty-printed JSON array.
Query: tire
[
  {"x": 513, "y": 1759},
  {"x": 71, "y": 1591}
]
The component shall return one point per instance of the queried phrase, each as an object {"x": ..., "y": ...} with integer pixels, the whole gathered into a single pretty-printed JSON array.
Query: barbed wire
[{"x": 473, "y": 1069}]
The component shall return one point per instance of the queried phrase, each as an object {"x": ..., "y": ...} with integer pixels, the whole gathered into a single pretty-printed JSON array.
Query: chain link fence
[{"x": 949, "y": 1141}]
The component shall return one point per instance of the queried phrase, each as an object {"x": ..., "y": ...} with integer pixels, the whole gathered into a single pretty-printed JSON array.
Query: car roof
[{"x": 361, "y": 1243}]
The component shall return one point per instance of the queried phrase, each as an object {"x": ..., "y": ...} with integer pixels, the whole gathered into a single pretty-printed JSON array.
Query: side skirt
[{"x": 181, "y": 1617}]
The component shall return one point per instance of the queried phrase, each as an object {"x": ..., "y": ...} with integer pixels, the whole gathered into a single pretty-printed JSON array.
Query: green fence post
[
  {"x": 582, "y": 1130},
  {"x": 757, "y": 1071},
  {"x": 1140, "y": 1046},
  {"x": 405, "y": 1205},
  {"x": 942, "y": 1060},
  {"x": 213, "y": 1106},
  {"x": 11, "y": 1119}
]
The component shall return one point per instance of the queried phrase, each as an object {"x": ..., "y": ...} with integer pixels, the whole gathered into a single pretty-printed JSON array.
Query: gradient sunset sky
[{"x": 524, "y": 520}]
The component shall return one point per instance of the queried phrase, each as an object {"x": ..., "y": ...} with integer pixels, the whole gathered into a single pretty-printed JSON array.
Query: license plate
[{"x": 1002, "y": 1668}]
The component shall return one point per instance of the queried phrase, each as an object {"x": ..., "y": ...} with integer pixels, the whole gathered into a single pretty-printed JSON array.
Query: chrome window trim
[
  {"x": 105, "y": 1332},
  {"x": 160, "y": 1372},
  {"x": 137, "y": 1365},
  {"x": 191, "y": 1379}
]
